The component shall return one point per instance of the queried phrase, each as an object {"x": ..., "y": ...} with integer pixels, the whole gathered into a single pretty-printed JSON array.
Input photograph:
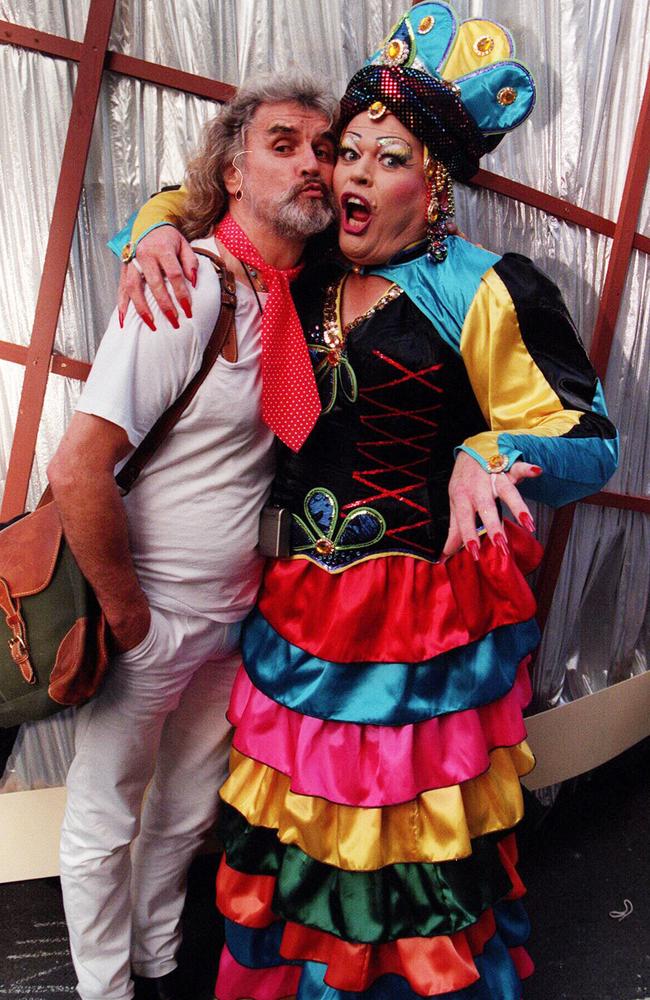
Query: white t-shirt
[{"x": 193, "y": 514}]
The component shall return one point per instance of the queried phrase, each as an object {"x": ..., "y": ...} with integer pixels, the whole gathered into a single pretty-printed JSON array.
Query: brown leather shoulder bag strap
[{"x": 221, "y": 333}]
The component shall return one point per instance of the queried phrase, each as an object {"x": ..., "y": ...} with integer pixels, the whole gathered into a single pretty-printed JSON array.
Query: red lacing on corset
[{"x": 423, "y": 429}]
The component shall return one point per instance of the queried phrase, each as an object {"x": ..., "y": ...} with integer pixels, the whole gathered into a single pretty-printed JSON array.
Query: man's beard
[{"x": 291, "y": 217}]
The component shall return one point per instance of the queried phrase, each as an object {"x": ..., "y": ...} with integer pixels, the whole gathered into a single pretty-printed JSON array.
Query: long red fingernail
[
  {"x": 500, "y": 541},
  {"x": 473, "y": 549},
  {"x": 536, "y": 470},
  {"x": 120, "y": 316},
  {"x": 527, "y": 522},
  {"x": 186, "y": 307},
  {"x": 148, "y": 319},
  {"x": 195, "y": 271},
  {"x": 172, "y": 317}
]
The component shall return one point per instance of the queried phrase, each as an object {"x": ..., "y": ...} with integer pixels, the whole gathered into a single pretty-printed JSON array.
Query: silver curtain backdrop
[{"x": 589, "y": 58}]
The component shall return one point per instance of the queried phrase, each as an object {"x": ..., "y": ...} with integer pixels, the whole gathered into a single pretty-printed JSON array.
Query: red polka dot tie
[{"x": 290, "y": 400}]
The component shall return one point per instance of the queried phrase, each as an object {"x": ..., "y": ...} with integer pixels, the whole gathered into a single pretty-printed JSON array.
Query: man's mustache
[{"x": 297, "y": 190}]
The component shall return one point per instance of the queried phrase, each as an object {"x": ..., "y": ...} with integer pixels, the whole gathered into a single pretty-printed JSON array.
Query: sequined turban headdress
[{"x": 454, "y": 85}]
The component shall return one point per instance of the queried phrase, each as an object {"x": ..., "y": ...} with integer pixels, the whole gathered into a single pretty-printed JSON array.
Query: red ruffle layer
[
  {"x": 430, "y": 965},
  {"x": 399, "y": 609},
  {"x": 509, "y": 858},
  {"x": 236, "y": 981},
  {"x": 246, "y": 899},
  {"x": 523, "y": 963},
  {"x": 392, "y": 764}
]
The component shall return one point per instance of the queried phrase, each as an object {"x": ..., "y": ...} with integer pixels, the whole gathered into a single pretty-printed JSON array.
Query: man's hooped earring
[{"x": 239, "y": 193}]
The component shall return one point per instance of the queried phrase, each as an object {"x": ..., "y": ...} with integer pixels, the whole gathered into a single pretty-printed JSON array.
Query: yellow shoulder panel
[
  {"x": 162, "y": 207},
  {"x": 509, "y": 387}
]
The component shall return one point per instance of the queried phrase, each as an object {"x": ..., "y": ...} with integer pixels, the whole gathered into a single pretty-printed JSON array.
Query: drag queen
[{"x": 368, "y": 817}]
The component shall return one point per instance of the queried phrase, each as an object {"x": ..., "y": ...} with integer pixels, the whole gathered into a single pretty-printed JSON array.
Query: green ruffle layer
[{"x": 397, "y": 901}]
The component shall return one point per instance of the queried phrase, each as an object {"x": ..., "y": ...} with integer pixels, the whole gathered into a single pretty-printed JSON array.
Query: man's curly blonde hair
[{"x": 223, "y": 137}]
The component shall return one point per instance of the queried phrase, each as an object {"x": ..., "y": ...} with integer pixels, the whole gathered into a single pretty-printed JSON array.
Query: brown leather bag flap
[{"x": 29, "y": 550}]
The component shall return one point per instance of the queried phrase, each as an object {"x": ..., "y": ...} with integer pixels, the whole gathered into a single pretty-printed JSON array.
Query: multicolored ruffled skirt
[{"x": 367, "y": 820}]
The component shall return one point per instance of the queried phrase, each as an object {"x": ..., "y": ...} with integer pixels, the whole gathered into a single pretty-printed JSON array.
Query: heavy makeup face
[
  {"x": 379, "y": 189},
  {"x": 285, "y": 170}
]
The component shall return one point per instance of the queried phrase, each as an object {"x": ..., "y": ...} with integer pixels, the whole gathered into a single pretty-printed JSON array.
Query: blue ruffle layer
[{"x": 385, "y": 694}]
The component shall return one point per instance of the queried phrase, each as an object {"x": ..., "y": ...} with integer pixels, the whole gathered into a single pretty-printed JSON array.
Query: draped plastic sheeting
[
  {"x": 54, "y": 16},
  {"x": 589, "y": 59},
  {"x": 233, "y": 39}
]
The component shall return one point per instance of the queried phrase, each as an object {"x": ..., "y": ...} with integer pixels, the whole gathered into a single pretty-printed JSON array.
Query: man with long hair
[{"x": 175, "y": 564}]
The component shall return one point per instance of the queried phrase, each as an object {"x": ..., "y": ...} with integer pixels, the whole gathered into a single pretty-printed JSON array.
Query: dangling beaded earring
[{"x": 440, "y": 208}]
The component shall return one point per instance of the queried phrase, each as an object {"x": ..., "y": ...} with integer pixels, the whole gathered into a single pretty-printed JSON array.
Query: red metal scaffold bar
[{"x": 64, "y": 216}]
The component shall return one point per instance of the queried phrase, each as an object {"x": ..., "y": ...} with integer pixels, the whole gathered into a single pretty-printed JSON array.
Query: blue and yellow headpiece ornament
[{"x": 454, "y": 85}]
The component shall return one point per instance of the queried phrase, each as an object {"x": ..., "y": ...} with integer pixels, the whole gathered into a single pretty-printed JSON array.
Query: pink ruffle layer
[
  {"x": 236, "y": 981},
  {"x": 372, "y": 765}
]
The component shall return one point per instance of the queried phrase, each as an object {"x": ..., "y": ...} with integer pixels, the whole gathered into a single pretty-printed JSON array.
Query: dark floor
[{"x": 581, "y": 860}]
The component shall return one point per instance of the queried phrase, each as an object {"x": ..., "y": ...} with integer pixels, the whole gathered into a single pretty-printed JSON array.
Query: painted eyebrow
[
  {"x": 351, "y": 137},
  {"x": 380, "y": 138},
  {"x": 385, "y": 140}
]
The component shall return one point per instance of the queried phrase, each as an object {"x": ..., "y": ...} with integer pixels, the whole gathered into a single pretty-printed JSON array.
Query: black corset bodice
[{"x": 372, "y": 477}]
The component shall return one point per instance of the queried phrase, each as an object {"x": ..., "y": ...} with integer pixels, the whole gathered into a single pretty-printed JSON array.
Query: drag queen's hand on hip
[{"x": 474, "y": 491}]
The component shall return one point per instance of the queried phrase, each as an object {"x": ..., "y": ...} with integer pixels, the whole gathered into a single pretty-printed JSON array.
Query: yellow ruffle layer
[{"x": 436, "y": 826}]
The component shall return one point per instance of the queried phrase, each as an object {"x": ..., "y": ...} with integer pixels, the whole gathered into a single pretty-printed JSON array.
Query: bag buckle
[
  {"x": 20, "y": 656},
  {"x": 17, "y": 643}
]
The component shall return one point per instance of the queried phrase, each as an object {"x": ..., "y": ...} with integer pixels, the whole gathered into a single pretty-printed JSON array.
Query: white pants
[{"x": 160, "y": 716}]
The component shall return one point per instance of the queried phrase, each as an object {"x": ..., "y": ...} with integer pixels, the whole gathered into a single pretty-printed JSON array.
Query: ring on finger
[{"x": 494, "y": 483}]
